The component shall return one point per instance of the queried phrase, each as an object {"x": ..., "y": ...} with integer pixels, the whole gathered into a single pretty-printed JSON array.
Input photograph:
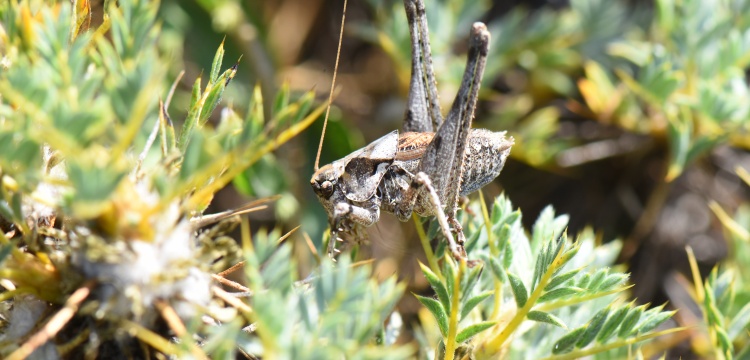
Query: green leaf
[
  {"x": 597, "y": 279},
  {"x": 559, "y": 293},
  {"x": 93, "y": 183},
  {"x": 560, "y": 279},
  {"x": 192, "y": 117},
  {"x": 611, "y": 281},
  {"x": 630, "y": 321},
  {"x": 724, "y": 341},
  {"x": 653, "y": 321},
  {"x": 507, "y": 255},
  {"x": 474, "y": 301},
  {"x": 593, "y": 328},
  {"x": 740, "y": 321},
  {"x": 519, "y": 290},
  {"x": 545, "y": 317},
  {"x": 472, "y": 330},
  {"x": 612, "y": 324},
  {"x": 567, "y": 342},
  {"x": 437, "y": 311},
  {"x": 449, "y": 272},
  {"x": 438, "y": 286},
  {"x": 215, "y": 94},
  {"x": 471, "y": 280},
  {"x": 216, "y": 64},
  {"x": 497, "y": 270}
]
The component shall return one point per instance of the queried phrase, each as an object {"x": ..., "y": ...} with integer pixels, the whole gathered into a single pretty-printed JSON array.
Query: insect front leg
[{"x": 345, "y": 218}]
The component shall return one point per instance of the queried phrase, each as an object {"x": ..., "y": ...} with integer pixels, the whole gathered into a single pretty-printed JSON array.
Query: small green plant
[
  {"x": 102, "y": 195},
  {"x": 724, "y": 296},
  {"x": 543, "y": 297}
]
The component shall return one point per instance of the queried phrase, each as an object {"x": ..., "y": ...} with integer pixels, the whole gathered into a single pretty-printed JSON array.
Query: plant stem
[
  {"x": 426, "y": 246},
  {"x": 494, "y": 345},
  {"x": 450, "y": 343},
  {"x": 494, "y": 252}
]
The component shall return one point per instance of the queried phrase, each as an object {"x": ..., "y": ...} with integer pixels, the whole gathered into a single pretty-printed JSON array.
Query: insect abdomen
[{"x": 484, "y": 158}]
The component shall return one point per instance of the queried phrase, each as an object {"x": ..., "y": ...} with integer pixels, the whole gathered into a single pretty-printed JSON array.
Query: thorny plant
[{"x": 100, "y": 244}]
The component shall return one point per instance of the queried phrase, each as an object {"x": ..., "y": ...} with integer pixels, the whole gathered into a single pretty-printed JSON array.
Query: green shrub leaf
[
  {"x": 519, "y": 290},
  {"x": 545, "y": 317}
]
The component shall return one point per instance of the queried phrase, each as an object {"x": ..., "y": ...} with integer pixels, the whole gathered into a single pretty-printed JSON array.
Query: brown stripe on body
[{"x": 411, "y": 145}]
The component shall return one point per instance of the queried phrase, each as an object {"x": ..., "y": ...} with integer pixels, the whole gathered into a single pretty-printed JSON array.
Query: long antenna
[{"x": 333, "y": 83}]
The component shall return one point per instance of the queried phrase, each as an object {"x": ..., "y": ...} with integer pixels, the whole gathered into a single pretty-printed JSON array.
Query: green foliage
[
  {"x": 552, "y": 281},
  {"x": 96, "y": 217},
  {"x": 335, "y": 312},
  {"x": 724, "y": 296}
]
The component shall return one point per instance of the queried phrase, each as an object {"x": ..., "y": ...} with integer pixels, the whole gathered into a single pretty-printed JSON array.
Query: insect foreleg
[{"x": 345, "y": 215}]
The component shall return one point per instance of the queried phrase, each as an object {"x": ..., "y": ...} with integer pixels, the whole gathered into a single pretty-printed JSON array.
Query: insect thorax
[{"x": 484, "y": 157}]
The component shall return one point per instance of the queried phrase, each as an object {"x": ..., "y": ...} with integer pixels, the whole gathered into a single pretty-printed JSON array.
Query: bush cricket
[{"x": 419, "y": 169}]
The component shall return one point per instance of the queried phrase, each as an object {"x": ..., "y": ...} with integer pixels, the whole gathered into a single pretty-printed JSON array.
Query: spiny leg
[
  {"x": 346, "y": 218},
  {"x": 423, "y": 112},
  {"x": 457, "y": 251},
  {"x": 443, "y": 159},
  {"x": 461, "y": 116}
]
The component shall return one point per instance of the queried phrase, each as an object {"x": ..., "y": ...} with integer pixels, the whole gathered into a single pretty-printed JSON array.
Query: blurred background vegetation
[{"x": 630, "y": 116}]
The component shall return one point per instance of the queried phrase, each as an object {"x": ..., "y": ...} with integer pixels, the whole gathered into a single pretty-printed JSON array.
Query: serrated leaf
[
  {"x": 437, "y": 311},
  {"x": 567, "y": 342},
  {"x": 593, "y": 328},
  {"x": 438, "y": 286},
  {"x": 473, "y": 302},
  {"x": 519, "y": 290},
  {"x": 472, "y": 330},
  {"x": 559, "y": 293},
  {"x": 545, "y": 317}
]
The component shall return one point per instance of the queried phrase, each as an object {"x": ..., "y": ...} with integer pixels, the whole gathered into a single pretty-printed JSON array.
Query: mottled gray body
[
  {"x": 483, "y": 159},
  {"x": 418, "y": 170}
]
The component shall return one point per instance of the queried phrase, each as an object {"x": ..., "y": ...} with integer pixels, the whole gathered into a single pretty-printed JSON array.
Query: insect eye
[{"x": 326, "y": 188}]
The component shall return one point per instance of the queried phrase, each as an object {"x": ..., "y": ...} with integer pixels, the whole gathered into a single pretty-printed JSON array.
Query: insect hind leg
[{"x": 456, "y": 248}]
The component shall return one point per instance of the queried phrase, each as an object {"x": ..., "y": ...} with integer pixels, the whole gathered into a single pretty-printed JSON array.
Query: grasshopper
[{"x": 418, "y": 170}]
